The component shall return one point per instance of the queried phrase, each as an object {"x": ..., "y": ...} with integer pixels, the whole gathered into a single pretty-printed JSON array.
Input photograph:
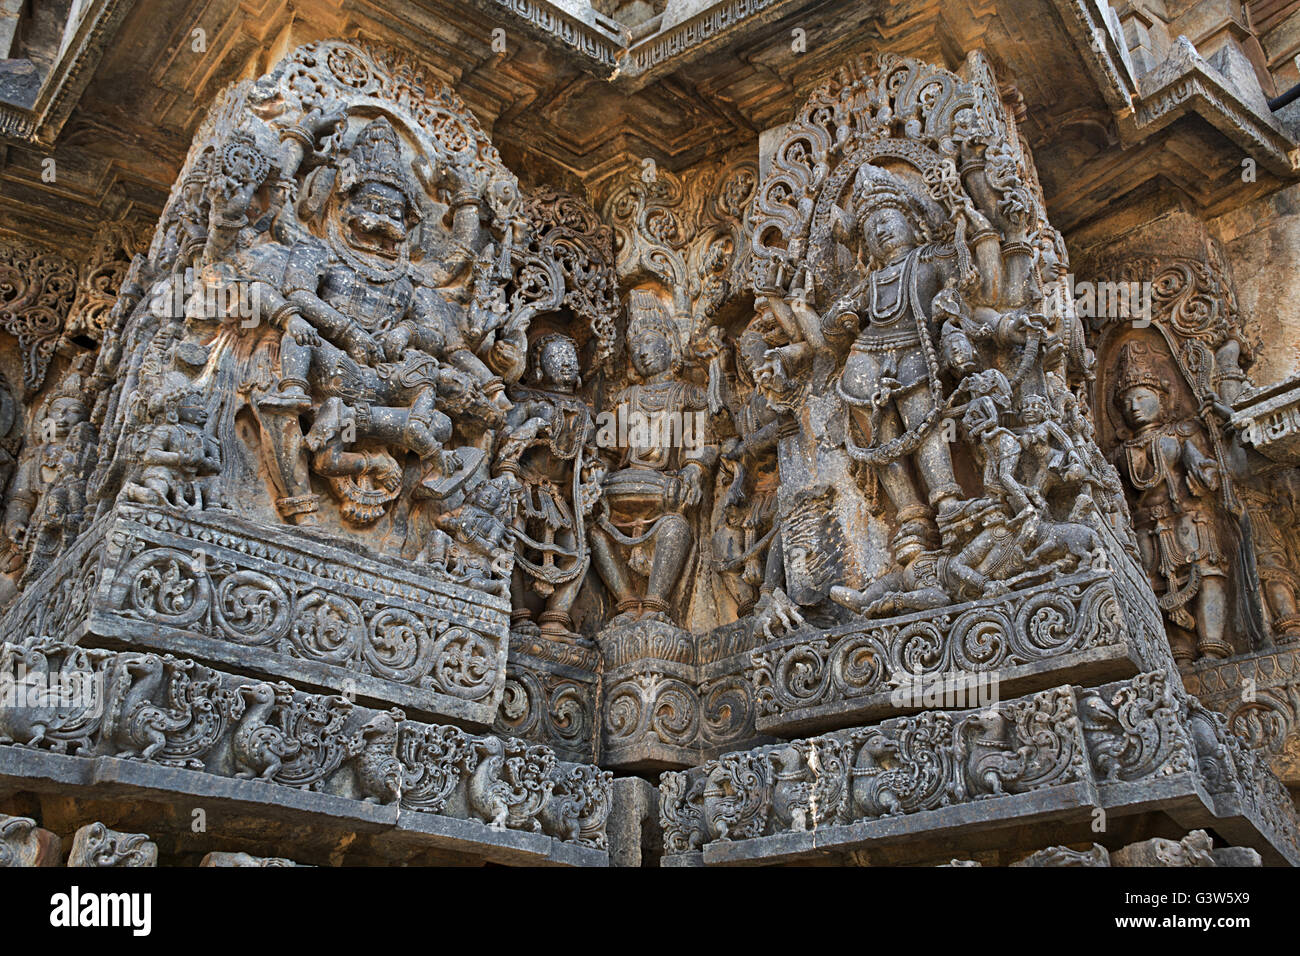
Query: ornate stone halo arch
[
  {"x": 831, "y": 211},
  {"x": 388, "y": 81},
  {"x": 940, "y": 123}
]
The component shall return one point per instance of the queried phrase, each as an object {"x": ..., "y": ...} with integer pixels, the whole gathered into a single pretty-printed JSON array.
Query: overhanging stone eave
[
  {"x": 1099, "y": 52},
  {"x": 1196, "y": 89},
  {"x": 592, "y": 47},
  {"x": 607, "y": 55},
  {"x": 1183, "y": 84},
  {"x": 41, "y": 123},
  {"x": 719, "y": 25}
]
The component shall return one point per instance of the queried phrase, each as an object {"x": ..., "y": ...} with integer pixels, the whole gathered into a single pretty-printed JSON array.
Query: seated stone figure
[
  {"x": 175, "y": 454},
  {"x": 654, "y": 490}
]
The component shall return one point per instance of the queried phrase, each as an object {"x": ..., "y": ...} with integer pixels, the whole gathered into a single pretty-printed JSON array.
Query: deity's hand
[
  {"x": 692, "y": 486},
  {"x": 778, "y": 614},
  {"x": 976, "y": 220},
  {"x": 504, "y": 355},
  {"x": 231, "y": 201},
  {"x": 1033, "y": 322},
  {"x": 771, "y": 371},
  {"x": 884, "y": 393},
  {"x": 449, "y": 462},
  {"x": 394, "y": 342},
  {"x": 530, "y": 428},
  {"x": 302, "y": 332},
  {"x": 362, "y": 347},
  {"x": 733, "y": 449},
  {"x": 1207, "y": 473},
  {"x": 389, "y": 475},
  {"x": 802, "y": 308},
  {"x": 324, "y": 118}
]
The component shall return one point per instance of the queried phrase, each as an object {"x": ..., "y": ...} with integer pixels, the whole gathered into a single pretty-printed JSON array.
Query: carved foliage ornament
[
  {"x": 686, "y": 232},
  {"x": 36, "y": 291}
]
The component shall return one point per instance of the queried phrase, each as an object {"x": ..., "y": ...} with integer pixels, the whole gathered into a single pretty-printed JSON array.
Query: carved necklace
[
  {"x": 890, "y": 279},
  {"x": 1159, "y": 470},
  {"x": 366, "y": 264}
]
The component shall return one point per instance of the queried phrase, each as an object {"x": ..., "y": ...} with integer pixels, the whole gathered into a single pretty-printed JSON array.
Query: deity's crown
[
  {"x": 376, "y": 157},
  {"x": 73, "y": 384},
  {"x": 875, "y": 188},
  {"x": 647, "y": 313},
  {"x": 1137, "y": 367}
]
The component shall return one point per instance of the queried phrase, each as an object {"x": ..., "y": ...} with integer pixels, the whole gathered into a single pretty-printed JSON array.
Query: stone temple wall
[{"x": 811, "y": 499}]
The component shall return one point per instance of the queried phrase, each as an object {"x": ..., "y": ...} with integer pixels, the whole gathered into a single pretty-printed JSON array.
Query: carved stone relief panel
[{"x": 1214, "y": 518}]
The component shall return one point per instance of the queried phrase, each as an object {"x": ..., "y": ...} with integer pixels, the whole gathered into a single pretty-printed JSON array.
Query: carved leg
[
  {"x": 156, "y": 743},
  {"x": 613, "y": 572},
  {"x": 672, "y": 543},
  {"x": 295, "y": 365},
  {"x": 556, "y": 621},
  {"x": 282, "y": 449},
  {"x": 933, "y": 457},
  {"x": 521, "y": 618},
  {"x": 1211, "y": 618}
]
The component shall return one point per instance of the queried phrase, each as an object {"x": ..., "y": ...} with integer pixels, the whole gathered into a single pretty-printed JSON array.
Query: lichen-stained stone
[
  {"x": 1259, "y": 694},
  {"x": 1064, "y": 856},
  {"x": 1195, "y": 849},
  {"x": 97, "y": 845},
  {"x": 158, "y": 723},
  {"x": 909, "y": 783}
]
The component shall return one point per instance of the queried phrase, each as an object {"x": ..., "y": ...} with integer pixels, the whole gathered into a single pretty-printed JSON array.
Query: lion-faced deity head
[{"x": 376, "y": 205}]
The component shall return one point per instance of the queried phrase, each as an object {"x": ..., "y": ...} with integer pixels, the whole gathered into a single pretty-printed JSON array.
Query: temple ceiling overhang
[{"x": 572, "y": 96}]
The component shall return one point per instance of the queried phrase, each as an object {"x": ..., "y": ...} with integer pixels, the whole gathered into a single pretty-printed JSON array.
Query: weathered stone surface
[
  {"x": 634, "y": 838},
  {"x": 23, "y": 843},
  {"x": 126, "y": 714},
  {"x": 1195, "y": 849},
  {"x": 97, "y": 845},
  {"x": 244, "y": 860},
  {"x": 912, "y": 781},
  {"x": 494, "y": 396}
]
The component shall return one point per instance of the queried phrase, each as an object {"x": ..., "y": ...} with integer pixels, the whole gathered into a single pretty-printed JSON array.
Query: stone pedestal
[{"x": 276, "y": 601}]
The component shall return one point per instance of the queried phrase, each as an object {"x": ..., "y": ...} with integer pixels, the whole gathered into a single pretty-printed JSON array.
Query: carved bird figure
[
  {"x": 260, "y": 748},
  {"x": 378, "y": 772}
]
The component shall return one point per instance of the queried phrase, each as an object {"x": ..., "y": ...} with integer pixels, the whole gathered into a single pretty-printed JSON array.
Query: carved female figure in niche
[
  {"x": 47, "y": 497},
  {"x": 658, "y": 481},
  {"x": 551, "y": 449},
  {"x": 1174, "y": 514}
]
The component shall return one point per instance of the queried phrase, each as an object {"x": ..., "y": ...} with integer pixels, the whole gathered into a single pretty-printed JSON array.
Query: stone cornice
[
  {"x": 1184, "y": 84},
  {"x": 604, "y": 46},
  {"x": 682, "y": 42},
  {"x": 69, "y": 77}
]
